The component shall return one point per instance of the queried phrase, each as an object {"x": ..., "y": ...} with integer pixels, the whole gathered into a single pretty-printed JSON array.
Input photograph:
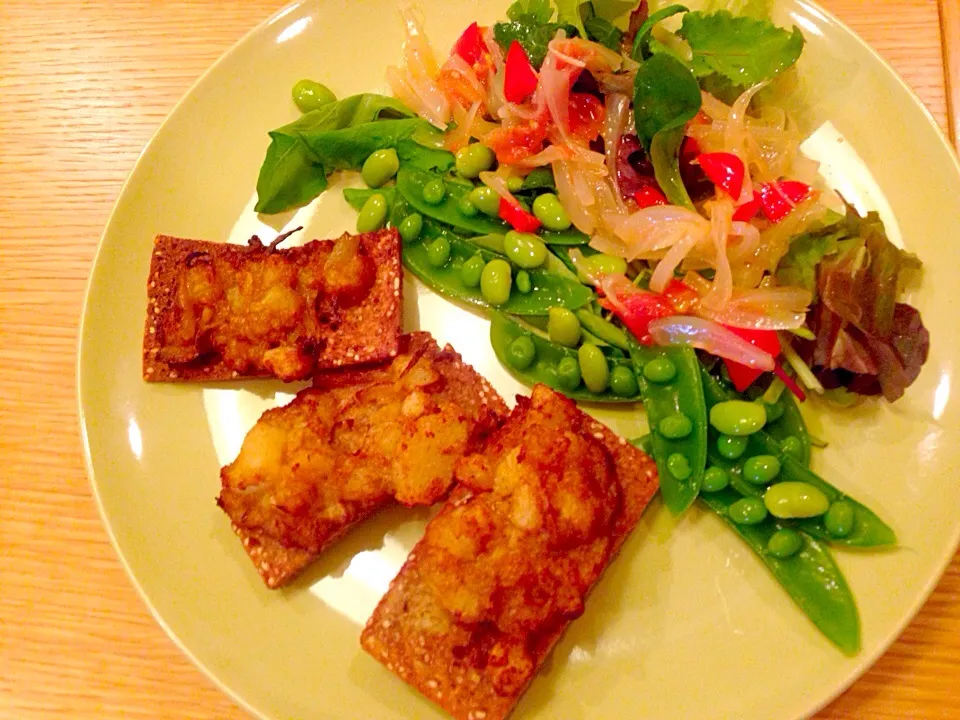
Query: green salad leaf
[
  {"x": 641, "y": 43},
  {"x": 568, "y": 11},
  {"x": 536, "y": 11},
  {"x": 603, "y": 32},
  {"x": 532, "y": 36},
  {"x": 665, "y": 96},
  {"x": 744, "y": 50},
  {"x": 799, "y": 266}
]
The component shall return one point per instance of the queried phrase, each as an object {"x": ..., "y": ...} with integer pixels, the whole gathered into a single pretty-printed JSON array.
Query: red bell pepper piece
[
  {"x": 470, "y": 45},
  {"x": 748, "y": 211},
  {"x": 681, "y": 296},
  {"x": 725, "y": 170},
  {"x": 648, "y": 196},
  {"x": 742, "y": 375},
  {"x": 519, "y": 77},
  {"x": 778, "y": 199},
  {"x": 637, "y": 309},
  {"x": 518, "y": 218}
]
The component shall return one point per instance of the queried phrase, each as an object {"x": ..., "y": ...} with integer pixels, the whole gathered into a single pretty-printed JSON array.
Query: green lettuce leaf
[
  {"x": 744, "y": 50},
  {"x": 568, "y": 12},
  {"x": 666, "y": 96},
  {"x": 534, "y": 11},
  {"x": 603, "y": 32},
  {"x": 642, "y": 41},
  {"x": 799, "y": 266}
]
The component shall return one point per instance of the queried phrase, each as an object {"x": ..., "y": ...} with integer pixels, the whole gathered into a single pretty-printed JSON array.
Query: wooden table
[{"x": 83, "y": 85}]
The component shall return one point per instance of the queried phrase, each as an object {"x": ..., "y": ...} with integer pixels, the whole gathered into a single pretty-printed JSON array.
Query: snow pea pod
[
  {"x": 868, "y": 530},
  {"x": 548, "y": 290},
  {"x": 411, "y": 183},
  {"x": 604, "y": 329},
  {"x": 571, "y": 236},
  {"x": 548, "y": 356},
  {"x": 811, "y": 577},
  {"x": 681, "y": 461},
  {"x": 791, "y": 424}
]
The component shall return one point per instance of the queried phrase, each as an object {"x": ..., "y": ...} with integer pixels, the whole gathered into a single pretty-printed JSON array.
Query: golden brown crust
[
  {"x": 218, "y": 311},
  {"x": 477, "y": 670},
  {"x": 357, "y": 441}
]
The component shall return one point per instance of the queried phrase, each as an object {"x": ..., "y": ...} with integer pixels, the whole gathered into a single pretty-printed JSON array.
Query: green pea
[
  {"x": 839, "y": 519},
  {"x": 373, "y": 214},
  {"x": 791, "y": 446},
  {"x": 474, "y": 159},
  {"x": 715, "y": 479},
  {"x": 495, "y": 282},
  {"x": 748, "y": 511},
  {"x": 514, "y": 184},
  {"x": 761, "y": 469},
  {"x": 548, "y": 210},
  {"x": 310, "y": 95},
  {"x": 738, "y": 417},
  {"x": 525, "y": 250},
  {"x": 732, "y": 447},
  {"x": 568, "y": 373},
  {"x": 467, "y": 208},
  {"x": 795, "y": 500},
  {"x": 521, "y": 353},
  {"x": 438, "y": 252},
  {"x": 679, "y": 466},
  {"x": 380, "y": 167},
  {"x": 601, "y": 264},
  {"x": 471, "y": 271},
  {"x": 411, "y": 227},
  {"x": 593, "y": 368},
  {"x": 774, "y": 411},
  {"x": 434, "y": 192},
  {"x": 784, "y": 543},
  {"x": 523, "y": 282},
  {"x": 486, "y": 200},
  {"x": 660, "y": 370},
  {"x": 623, "y": 382},
  {"x": 676, "y": 426},
  {"x": 563, "y": 327}
]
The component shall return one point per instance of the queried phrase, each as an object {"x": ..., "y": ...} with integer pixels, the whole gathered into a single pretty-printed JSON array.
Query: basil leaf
[
  {"x": 665, "y": 96},
  {"x": 641, "y": 42},
  {"x": 603, "y": 32},
  {"x": 743, "y": 50}
]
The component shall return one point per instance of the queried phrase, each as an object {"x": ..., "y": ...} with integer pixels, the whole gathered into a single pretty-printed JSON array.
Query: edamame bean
[
  {"x": 732, "y": 447},
  {"x": 593, "y": 368},
  {"x": 548, "y": 210},
  {"x": 784, "y": 543},
  {"x": 514, "y": 184},
  {"x": 761, "y": 469},
  {"x": 679, "y": 466},
  {"x": 738, "y": 417},
  {"x": 495, "y": 282},
  {"x": 525, "y": 250},
  {"x": 839, "y": 519},
  {"x": 523, "y": 282},
  {"x": 521, "y": 353},
  {"x": 623, "y": 382},
  {"x": 675, "y": 427},
  {"x": 438, "y": 252},
  {"x": 473, "y": 160},
  {"x": 715, "y": 479},
  {"x": 601, "y": 264},
  {"x": 373, "y": 214},
  {"x": 379, "y": 167},
  {"x": 660, "y": 370},
  {"x": 434, "y": 192},
  {"x": 568, "y": 373},
  {"x": 748, "y": 511},
  {"x": 795, "y": 500},
  {"x": 792, "y": 446},
  {"x": 310, "y": 95},
  {"x": 486, "y": 200},
  {"x": 411, "y": 227},
  {"x": 563, "y": 327},
  {"x": 471, "y": 271},
  {"x": 467, "y": 208}
]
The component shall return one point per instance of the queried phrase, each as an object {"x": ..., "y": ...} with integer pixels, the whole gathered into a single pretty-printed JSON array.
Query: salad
[{"x": 619, "y": 191}]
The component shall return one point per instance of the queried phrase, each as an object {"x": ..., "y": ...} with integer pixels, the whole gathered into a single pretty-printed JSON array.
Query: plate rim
[{"x": 866, "y": 661}]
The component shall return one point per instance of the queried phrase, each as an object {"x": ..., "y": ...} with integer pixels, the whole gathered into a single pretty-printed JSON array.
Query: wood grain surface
[{"x": 83, "y": 85}]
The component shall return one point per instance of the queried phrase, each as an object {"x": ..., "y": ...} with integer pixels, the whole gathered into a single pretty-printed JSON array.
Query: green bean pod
[
  {"x": 503, "y": 332},
  {"x": 868, "y": 530},
  {"x": 547, "y": 289},
  {"x": 811, "y": 576},
  {"x": 662, "y": 398},
  {"x": 411, "y": 183}
]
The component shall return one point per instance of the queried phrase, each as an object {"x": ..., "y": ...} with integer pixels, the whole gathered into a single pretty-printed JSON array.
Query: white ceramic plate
[{"x": 686, "y": 623}]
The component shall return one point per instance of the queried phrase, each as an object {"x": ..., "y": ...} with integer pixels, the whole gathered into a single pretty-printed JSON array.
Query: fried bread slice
[
  {"x": 506, "y": 565},
  {"x": 357, "y": 441},
  {"x": 219, "y": 311}
]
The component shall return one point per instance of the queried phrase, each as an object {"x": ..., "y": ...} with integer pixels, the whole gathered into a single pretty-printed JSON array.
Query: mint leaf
[
  {"x": 535, "y": 11},
  {"x": 603, "y": 32},
  {"x": 665, "y": 96},
  {"x": 744, "y": 50}
]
